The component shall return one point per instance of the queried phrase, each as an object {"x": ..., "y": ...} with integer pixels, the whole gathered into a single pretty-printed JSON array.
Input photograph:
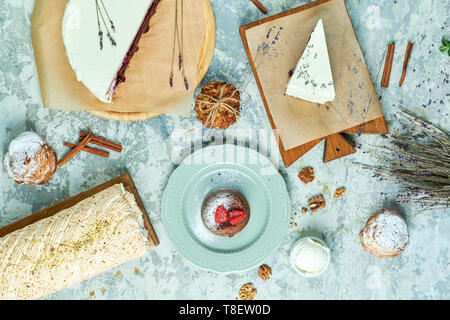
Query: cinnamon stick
[
  {"x": 97, "y": 152},
  {"x": 260, "y": 6},
  {"x": 102, "y": 142},
  {"x": 75, "y": 150},
  {"x": 388, "y": 65},
  {"x": 406, "y": 61}
]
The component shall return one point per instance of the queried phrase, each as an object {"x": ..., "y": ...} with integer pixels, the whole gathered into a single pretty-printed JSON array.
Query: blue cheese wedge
[{"x": 312, "y": 79}]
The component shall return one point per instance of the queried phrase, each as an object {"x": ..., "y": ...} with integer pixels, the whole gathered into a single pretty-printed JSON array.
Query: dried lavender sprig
[
  {"x": 100, "y": 32},
  {"x": 178, "y": 40},
  {"x": 108, "y": 33},
  {"x": 419, "y": 160},
  {"x": 113, "y": 28},
  {"x": 174, "y": 43}
]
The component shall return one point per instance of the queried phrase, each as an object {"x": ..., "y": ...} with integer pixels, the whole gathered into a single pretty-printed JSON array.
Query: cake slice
[
  {"x": 101, "y": 37},
  {"x": 312, "y": 79}
]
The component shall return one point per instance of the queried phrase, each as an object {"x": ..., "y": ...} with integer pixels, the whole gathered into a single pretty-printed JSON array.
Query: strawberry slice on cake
[{"x": 101, "y": 37}]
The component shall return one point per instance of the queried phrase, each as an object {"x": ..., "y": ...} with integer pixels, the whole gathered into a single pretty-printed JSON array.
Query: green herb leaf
[{"x": 445, "y": 46}]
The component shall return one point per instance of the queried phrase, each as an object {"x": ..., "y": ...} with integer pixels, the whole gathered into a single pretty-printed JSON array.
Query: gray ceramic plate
[{"x": 226, "y": 167}]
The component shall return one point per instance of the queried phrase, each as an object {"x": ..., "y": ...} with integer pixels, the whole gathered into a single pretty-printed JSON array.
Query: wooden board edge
[
  {"x": 208, "y": 44},
  {"x": 124, "y": 116},
  {"x": 289, "y": 156},
  {"x": 148, "y": 225},
  {"x": 336, "y": 147},
  {"x": 284, "y": 14},
  {"x": 125, "y": 179},
  {"x": 375, "y": 126},
  {"x": 242, "y": 29}
]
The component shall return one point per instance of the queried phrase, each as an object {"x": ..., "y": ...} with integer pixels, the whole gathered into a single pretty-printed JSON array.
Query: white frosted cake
[
  {"x": 312, "y": 79},
  {"x": 101, "y": 37}
]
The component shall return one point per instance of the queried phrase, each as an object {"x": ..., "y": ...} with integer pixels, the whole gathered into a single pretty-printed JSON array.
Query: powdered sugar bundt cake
[
  {"x": 385, "y": 234},
  {"x": 29, "y": 159}
]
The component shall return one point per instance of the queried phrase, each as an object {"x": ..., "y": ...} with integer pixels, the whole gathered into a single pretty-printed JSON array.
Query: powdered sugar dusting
[
  {"x": 390, "y": 231},
  {"x": 227, "y": 198},
  {"x": 21, "y": 160}
]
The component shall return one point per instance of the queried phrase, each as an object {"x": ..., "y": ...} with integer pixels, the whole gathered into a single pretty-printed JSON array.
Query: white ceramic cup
[{"x": 304, "y": 274}]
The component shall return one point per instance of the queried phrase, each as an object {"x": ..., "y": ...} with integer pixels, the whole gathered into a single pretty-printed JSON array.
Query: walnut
[
  {"x": 339, "y": 193},
  {"x": 264, "y": 272},
  {"x": 306, "y": 175},
  {"x": 316, "y": 203},
  {"x": 224, "y": 117},
  {"x": 247, "y": 292}
]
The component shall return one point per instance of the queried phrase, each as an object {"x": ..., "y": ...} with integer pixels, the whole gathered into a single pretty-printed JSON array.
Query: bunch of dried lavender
[{"x": 419, "y": 160}]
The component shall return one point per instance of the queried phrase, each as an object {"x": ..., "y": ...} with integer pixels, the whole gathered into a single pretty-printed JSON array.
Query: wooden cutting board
[
  {"x": 205, "y": 58},
  {"x": 336, "y": 145},
  {"x": 128, "y": 184}
]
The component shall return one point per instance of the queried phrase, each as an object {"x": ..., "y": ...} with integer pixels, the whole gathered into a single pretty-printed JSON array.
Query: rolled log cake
[{"x": 96, "y": 234}]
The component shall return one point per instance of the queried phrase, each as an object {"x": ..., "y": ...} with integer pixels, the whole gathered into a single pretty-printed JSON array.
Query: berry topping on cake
[
  {"x": 225, "y": 212},
  {"x": 236, "y": 216},
  {"x": 221, "y": 215}
]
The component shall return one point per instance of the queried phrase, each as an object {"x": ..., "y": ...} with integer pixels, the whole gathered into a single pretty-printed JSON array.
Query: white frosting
[
  {"x": 312, "y": 79},
  {"x": 310, "y": 256},
  {"x": 96, "y": 68},
  {"x": 389, "y": 231},
  {"x": 20, "y": 160}
]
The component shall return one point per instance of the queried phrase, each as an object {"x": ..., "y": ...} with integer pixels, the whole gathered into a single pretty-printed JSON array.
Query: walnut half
[
  {"x": 247, "y": 292},
  {"x": 316, "y": 203},
  {"x": 264, "y": 272}
]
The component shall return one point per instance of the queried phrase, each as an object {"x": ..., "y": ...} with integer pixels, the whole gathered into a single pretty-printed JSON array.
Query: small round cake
[
  {"x": 225, "y": 212},
  {"x": 29, "y": 159},
  {"x": 385, "y": 234}
]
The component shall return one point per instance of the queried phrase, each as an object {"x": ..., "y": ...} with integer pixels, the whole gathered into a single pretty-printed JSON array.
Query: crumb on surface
[
  {"x": 304, "y": 210},
  {"x": 339, "y": 192}
]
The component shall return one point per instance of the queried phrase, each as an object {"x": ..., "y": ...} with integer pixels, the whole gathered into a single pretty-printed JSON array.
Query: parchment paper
[
  {"x": 146, "y": 88},
  {"x": 276, "y": 46}
]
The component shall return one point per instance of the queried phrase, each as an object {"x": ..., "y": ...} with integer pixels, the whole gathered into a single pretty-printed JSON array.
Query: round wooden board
[{"x": 206, "y": 55}]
